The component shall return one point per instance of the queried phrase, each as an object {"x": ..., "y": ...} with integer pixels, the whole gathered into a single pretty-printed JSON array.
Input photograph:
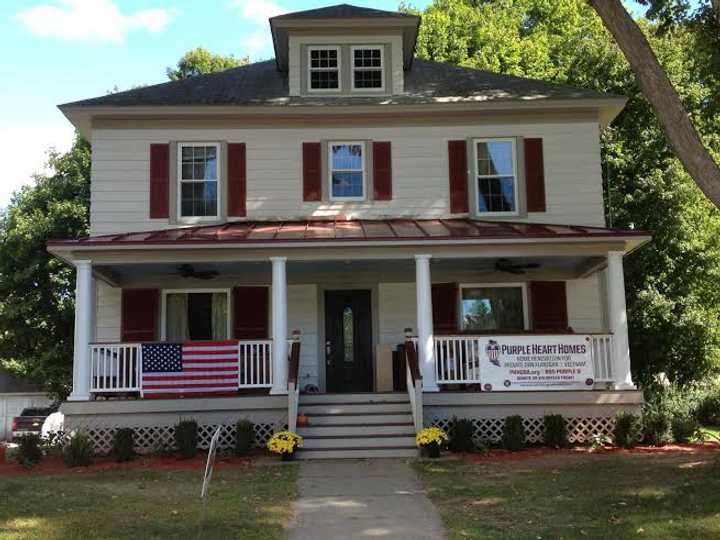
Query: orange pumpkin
[{"x": 302, "y": 420}]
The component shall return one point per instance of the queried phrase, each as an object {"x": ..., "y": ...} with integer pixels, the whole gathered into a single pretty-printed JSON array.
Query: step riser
[
  {"x": 395, "y": 397},
  {"x": 359, "y": 453},
  {"x": 364, "y": 442},
  {"x": 360, "y": 419},
  {"x": 359, "y": 408},
  {"x": 344, "y": 431}
]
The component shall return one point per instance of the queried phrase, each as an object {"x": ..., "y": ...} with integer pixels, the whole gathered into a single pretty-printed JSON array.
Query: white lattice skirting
[{"x": 580, "y": 430}]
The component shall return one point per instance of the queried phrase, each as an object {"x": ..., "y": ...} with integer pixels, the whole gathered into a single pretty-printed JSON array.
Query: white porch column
[
  {"x": 279, "y": 326},
  {"x": 426, "y": 346},
  {"x": 83, "y": 331},
  {"x": 617, "y": 319}
]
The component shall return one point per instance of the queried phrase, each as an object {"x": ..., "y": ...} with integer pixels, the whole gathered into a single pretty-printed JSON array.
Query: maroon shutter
[
  {"x": 312, "y": 182},
  {"x": 139, "y": 314},
  {"x": 445, "y": 308},
  {"x": 237, "y": 180},
  {"x": 535, "y": 175},
  {"x": 382, "y": 171},
  {"x": 457, "y": 159},
  {"x": 251, "y": 312},
  {"x": 549, "y": 305},
  {"x": 159, "y": 180}
]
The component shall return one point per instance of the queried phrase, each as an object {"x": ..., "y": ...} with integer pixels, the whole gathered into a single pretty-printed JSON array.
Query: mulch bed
[
  {"x": 55, "y": 465},
  {"x": 500, "y": 455}
]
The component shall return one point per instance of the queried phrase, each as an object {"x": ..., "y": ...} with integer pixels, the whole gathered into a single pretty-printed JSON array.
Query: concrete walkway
[{"x": 379, "y": 498}]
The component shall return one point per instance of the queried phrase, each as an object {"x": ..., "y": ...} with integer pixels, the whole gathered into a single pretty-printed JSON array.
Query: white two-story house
[{"x": 378, "y": 241}]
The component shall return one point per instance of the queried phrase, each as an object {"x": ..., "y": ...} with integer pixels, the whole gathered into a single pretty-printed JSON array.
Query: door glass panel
[{"x": 348, "y": 337}]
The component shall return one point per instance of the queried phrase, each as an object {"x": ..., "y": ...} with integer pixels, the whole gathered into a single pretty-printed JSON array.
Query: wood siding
[{"x": 120, "y": 168}]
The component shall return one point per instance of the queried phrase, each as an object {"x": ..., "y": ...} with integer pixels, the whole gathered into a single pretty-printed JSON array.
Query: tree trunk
[
  {"x": 716, "y": 10},
  {"x": 659, "y": 91}
]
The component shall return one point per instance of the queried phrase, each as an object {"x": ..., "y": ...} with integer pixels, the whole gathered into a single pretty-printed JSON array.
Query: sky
[{"x": 56, "y": 51}]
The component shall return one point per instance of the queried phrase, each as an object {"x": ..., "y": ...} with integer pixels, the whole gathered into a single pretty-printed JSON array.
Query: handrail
[
  {"x": 414, "y": 382},
  {"x": 293, "y": 385}
]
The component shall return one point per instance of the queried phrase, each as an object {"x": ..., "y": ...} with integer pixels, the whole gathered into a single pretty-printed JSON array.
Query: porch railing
[
  {"x": 117, "y": 367},
  {"x": 414, "y": 383},
  {"x": 458, "y": 359}
]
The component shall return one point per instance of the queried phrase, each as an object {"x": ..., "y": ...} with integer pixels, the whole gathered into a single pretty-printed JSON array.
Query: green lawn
[
  {"x": 248, "y": 503},
  {"x": 711, "y": 433},
  {"x": 579, "y": 496}
]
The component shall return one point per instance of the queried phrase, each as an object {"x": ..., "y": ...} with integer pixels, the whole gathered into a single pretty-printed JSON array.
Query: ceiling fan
[
  {"x": 506, "y": 265},
  {"x": 188, "y": 271}
]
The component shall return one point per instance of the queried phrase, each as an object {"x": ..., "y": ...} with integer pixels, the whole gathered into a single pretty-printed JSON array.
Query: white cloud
[
  {"x": 28, "y": 147},
  {"x": 258, "y": 11},
  {"x": 90, "y": 20},
  {"x": 256, "y": 43}
]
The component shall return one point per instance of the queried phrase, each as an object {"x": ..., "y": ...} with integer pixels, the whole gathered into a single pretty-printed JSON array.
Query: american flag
[{"x": 172, "y": 369}]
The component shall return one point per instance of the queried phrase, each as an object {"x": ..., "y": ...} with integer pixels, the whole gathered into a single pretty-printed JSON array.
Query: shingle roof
[
  {"x": 341, "y": 11},
  {"x": 262, "y": 84},
  {"x": 250, "y": 232}
]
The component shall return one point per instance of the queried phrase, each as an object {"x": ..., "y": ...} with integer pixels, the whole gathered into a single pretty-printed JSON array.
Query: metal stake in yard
[{"x": 209, "y": 466}]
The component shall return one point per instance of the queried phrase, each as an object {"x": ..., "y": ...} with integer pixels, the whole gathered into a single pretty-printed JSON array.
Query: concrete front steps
[{"x": 357, "y": 426}]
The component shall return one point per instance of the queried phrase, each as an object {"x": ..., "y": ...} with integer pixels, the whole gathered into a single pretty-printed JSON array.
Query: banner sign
[{"x": 526, "y": 362}]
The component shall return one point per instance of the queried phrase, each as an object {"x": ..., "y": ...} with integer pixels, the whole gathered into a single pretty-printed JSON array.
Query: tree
[
  {"x": 659, "y": 91},
  {"x": 200, "y": 61},
  {"x": 37, "y": 290},
  {"x": 673, "y": 290},
  {"x": 37, "y": 308}
]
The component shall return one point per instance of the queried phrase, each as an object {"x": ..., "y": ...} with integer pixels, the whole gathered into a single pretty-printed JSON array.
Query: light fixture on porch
[
  {"x": 188, "y": 271},
  {"x": 510, "y": 267}
]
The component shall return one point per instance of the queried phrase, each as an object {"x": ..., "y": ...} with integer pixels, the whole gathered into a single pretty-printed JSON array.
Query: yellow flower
[
  {"x": 284, "y": 442},
  {"x": 430, "y": 435}
]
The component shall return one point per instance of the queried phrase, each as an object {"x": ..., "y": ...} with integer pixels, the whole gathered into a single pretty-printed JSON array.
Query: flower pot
[
  {"x": 432, "y": 450},
  {"x": 287, "y": 456}
]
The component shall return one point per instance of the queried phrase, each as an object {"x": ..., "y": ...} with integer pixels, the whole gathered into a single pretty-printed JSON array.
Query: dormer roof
[{"x": 343, "y": 17}]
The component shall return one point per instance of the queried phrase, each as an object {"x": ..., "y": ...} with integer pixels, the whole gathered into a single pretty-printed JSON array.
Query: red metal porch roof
[{"x": 248, "y": 232}]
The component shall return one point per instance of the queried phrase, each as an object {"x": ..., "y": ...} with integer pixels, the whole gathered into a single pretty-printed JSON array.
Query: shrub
[
  {"x": 684, "y": 427},
  {"x": 461, "y": 435},
  {"x": 186, "y": 438},
  {"x": 626, "y": 429},
  {"x": 78, "y": 451},
  {"x": 555, "y": 431},
  {"x": 513, "y": 437},
  {"x": 29, "y": 451},
  {"x": 656, "y": 419},
  {"x": 708, "y": 410},
  {"x": 244, "y": 437},
  {"x": 123, "y": 444}
]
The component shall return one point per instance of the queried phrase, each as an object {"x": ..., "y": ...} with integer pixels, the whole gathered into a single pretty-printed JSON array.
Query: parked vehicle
[{"x": 30, "y": 421}]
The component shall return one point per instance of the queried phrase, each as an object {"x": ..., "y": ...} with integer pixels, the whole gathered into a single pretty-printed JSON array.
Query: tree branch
[{"x": 659, "y": 91}]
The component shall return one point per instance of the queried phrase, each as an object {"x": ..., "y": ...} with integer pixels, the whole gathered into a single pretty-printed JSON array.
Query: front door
[{"x": 348, "y": 345}]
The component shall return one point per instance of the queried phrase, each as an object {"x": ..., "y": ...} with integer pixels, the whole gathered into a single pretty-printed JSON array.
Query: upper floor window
[
  {"x": 324, "y": 66},
  {"x": 496, "y": 176},
  {"x": 367, "y": 68},
  {"x": 198, "y": 178},
  {"x": 346, "y": 171}
]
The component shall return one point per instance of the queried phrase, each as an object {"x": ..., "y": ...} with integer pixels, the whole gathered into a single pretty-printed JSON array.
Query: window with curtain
[
  {"x": 496, "y": 176},
  {"x": 347, "y": 171},
  {"x": 196, "y": 316},
  {"x": 492, "y": 308},
  {"x": 198, "y": 178}
]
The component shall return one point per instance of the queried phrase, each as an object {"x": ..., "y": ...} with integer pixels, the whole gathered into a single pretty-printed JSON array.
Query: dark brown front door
[{"x": 348, "y": 345}]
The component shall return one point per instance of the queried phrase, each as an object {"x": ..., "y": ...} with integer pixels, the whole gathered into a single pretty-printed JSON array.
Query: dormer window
[
  {"x": 368, "y": 70},
  {"x": 324, "y": 66}
]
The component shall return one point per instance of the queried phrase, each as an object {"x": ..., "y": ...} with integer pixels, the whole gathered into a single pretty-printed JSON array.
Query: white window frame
[
  {"x": 521, "y": 284},
  {"x": 330, "y": 145},
  {"x": 311, "y": 69},
  {"x": 477, "y": 176},
  {"x": 356, "y": 69},
  {"x": 163, "y": 308},
  {"x": 180, "y": 182}
]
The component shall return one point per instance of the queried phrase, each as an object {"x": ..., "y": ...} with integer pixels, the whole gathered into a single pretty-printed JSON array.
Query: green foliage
[
  {"x": 29, "y": 451},
  {"x": 37, "y": 290},
  {"x": 123, "y": 444},
  {"x": 200, "y": 61},
  {"x": 78, "y": 451},
  {"x": 684, "y": 428},
  {"x": 673, "y": 285},
  {"x": 708, "y": 409},
  {"x": 186, "y": 438},
  {"x": 461, "y": 435},
  {"x": 627, "y": 429},
  {"x": 244, "y": 437},
  {"x": 513, "y": 433},
  {"x": 656, "y": 419},
  {"x": 555, "y": 431}
]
